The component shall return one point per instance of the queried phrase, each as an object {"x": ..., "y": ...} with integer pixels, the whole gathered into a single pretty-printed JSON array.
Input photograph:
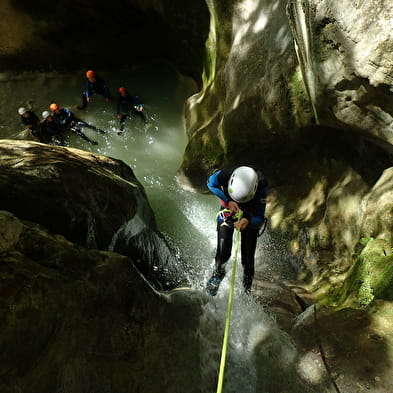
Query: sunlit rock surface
[
  {"x": 354, "y": 345},
  {"x": 345, "y": 49},
  {"x": 93, "y": 200},
  {"x": 277, "y": 68}
]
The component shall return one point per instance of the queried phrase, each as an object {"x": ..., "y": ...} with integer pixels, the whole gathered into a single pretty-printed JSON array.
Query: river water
[{"x": 154, "y": 151}]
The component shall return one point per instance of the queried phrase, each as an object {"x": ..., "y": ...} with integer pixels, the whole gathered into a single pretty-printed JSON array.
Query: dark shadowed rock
[
  {"x": 78, "y": 320},
  {"x": 92, "y": 200}
]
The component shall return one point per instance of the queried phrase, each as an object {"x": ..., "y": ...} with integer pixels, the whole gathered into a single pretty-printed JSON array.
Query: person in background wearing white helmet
[
  {"x": 244, "y": 189},
  {"x": 31, "y": 121},
  {"x": 50, "y": 130}
]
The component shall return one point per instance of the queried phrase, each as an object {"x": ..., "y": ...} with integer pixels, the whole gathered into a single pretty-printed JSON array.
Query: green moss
[
  {"x": 300, "y": 102},
  {"x": 370, "y": 278}
]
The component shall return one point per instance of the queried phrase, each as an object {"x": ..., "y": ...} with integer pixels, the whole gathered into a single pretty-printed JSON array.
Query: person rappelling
[{"x": 240, "y": 189}]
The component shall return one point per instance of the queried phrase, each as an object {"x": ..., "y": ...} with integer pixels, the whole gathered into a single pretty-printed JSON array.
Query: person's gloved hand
[
  {"x": 233, "y": 206},
  {"x": 242, "y": 224}
]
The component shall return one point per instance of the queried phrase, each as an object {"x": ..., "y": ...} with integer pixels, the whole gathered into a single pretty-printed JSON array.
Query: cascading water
[{"x": 258, "y": 349}]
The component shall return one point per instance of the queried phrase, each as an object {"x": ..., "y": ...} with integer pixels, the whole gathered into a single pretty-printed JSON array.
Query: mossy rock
[{"x": 370, "y": 278}]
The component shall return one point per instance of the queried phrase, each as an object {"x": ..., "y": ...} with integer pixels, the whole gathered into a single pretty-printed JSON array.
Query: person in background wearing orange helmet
[
  {"x": 94, "y": 85},
  {"x": 67, "y": 121},
  {"x": 63, "y": 116},
  {"x": 128, "y": 104}
]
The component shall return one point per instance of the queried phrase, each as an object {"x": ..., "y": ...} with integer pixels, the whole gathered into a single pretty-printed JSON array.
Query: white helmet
[
  {"x": 243, "y": 184},
  {"x": 45, "y": 114},
  {"x": 22, "y": 110}
]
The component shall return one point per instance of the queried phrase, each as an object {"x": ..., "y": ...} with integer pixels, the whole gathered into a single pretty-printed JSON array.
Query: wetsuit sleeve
[
  {"x": 88, "y": 89},
  {"x": 214, "y": 186},
  {"x": 66, "y": 118},
  {"x": 25, "y": 120},
  {"x": 256, "y": 219},
  {"x": 35, "y": 118}
]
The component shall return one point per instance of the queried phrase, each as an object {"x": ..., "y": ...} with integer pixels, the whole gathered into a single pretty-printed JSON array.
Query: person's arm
[
  {"x": 137, "y": 103},
  {"x": 88, "y": 90},
  {"x": 214, "y": 186},
  {"x": 25, "y": 121},
  {"x": 66, "y": 118},
  {"x": 256, "y": 220},
  {"x": 35, "y": 119}
]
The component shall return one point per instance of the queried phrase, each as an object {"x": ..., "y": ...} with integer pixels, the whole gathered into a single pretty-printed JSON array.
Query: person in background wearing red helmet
[
  {"x": 63, "y": 116},
  {"x": 94, "y": 85},
  {"x": 128, "y": 104}
]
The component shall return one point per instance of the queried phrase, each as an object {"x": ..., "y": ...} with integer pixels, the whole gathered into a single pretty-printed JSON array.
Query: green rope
[{"x": 229, "y": 310}]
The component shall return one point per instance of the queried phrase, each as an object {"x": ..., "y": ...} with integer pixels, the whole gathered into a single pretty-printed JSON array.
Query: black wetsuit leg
[
  {"x": 87, "y": 125},
  {"x": 249, "y": 238},
  {"x": 122, "y": 121},
  {"x": 84, "y": 101},
  {"x": 224, "y": 248}
]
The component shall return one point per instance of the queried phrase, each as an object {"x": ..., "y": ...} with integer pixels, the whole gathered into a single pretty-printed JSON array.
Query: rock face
[
  {"x": 299, "y": 89},
  {"x": 348, "y": 73},
  {"x": 94, "y": 201},
  {"x": 83, "y": 321},
  {"x": 276, "y": 69},
  {"x": 80, "y": 320}
]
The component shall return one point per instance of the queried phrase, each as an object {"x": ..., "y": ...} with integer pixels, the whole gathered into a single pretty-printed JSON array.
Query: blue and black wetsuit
[
  {"x": 67, "y": 120},
  {"x": 98, "y": 87},
  {"x": 254, "y": 211},
  {"x": 64, "y": 117},
  {"x": 127, "y": 104}
]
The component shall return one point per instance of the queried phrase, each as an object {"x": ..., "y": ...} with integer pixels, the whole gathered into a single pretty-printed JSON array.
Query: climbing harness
[
  {"x": 238, "y": 216},
  {"x": 225, "y": 218}
]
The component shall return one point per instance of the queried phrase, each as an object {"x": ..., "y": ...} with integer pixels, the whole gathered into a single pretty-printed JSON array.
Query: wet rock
[
  {"x": 10, "y": 229},
  {"x": 84, "y": 320},
  {"x": 92, "y": 200}
]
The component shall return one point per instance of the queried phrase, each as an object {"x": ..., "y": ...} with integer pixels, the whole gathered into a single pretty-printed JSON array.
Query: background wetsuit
[
  {"x": 254, "y": 211},
  {"x": 66, "y": 120},
  {"x": 52, "y": 131},
  {"x": 32, "y": 122},
  {"x": 98, "y": 87},
  {"x": 125, "y": 105}
]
